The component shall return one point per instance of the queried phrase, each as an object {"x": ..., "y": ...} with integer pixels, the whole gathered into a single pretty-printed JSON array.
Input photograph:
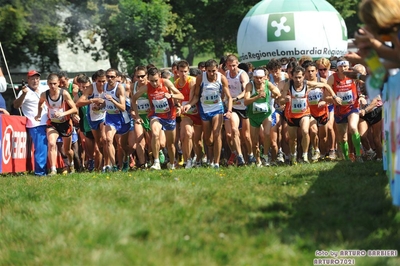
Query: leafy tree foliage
[
  {"x": 131, "y": 29},
  {"x": 30, "y": 32}
]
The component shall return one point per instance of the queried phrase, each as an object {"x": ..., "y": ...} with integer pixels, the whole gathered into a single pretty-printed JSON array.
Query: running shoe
[
  {"x": 155, "y": 166},
  {"x": 240, "y": 160},
  {"x": 91, "y": 165},
  {"x": 171, "y": 166},
  {"x": 371, "y": 154},
  {"x": 281, "y": 157},
  {"x": 188, "y": 164},
  {"x": 232, "y": 159},
  {"x": 252, "y": 159},
  {"x": 316, "y": 156}
]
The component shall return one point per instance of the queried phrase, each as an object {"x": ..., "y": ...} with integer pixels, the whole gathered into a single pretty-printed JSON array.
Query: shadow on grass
[{"x": 347, "y": 206}]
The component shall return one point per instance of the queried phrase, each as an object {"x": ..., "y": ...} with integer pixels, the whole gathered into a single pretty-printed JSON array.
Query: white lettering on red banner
[{"x": 14, "y": 144}]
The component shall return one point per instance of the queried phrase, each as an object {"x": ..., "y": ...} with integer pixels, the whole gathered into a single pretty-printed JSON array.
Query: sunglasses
[
  {"x": 110, "y": 77},
  {"x": 140, "y": 76},
  {"x": 322, "y": 69}
]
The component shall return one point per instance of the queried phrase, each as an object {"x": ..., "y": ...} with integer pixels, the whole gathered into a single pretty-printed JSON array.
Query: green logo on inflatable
[{"x": 281, "y": 27}]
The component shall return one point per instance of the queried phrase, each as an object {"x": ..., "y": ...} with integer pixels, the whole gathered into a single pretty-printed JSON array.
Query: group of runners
[{"x": 223, "y": 113}]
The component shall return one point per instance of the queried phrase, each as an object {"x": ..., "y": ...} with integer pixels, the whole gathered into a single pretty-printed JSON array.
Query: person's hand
[
  {"x": 178, "y": 110},
  {"x": 337, "y": 100},
  {"x": 76, "y": 118},
  {"x": 58, "y": 114},
  {"x": 228, "y": 114},
  {"x": 37, "y": 118},
  {"x": 362, "y": 112},
  {"x": 108, "y": 97},
  {"x": 321, "y": 104},
  {"x": 363, "y": 39},
  {"x": 186, "y": 108},
  {"x": 138, "y": 120},
  {"x": 262, "y": 94},
  {"x": 355, "y": 58},
  {"x": 98, "y": 101}
]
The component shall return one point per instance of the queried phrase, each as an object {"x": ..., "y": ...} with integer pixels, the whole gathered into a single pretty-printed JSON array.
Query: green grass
[{"x": 234, "y": 216}]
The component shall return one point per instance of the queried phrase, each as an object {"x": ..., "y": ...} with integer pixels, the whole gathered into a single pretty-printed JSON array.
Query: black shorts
[
  {"x": 88, "y": 134},
  {"x": 241, "y": 113},
  {"x": 295, "y": 122},
  {"x": 64, "y": 129},
  {"x": 322, "y": 120},
  {"x": 373, "y": 117}
]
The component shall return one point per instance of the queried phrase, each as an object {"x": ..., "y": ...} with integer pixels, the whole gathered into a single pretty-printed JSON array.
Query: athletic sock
[
  {"x": 345, "y": 149},
  {"x": 357, "y": 143}
]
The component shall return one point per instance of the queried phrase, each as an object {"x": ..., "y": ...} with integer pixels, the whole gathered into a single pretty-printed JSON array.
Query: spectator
[
  {"x": 28, "y": 100},
  {"x": 3, "y": 88}
]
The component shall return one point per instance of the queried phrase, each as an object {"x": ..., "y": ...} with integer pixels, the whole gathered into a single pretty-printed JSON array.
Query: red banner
[{"x": 16, "y": 155}]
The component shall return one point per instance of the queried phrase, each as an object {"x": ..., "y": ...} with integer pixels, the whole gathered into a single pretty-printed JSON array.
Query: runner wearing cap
[{"x": 258, "y": 98}]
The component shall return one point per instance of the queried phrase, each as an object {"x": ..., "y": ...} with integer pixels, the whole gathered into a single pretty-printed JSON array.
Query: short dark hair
[
  {"x": 201, "y": 64},
  {"x": 153, "y": 71},
  {"x": 62, "y": 74},
  {"x": 274, "y": 64},
  {"x": 211, "y": 63},
  {"x": 298, "y": 69},
  {"x": 182, "y": 63},
  {"x": 82, "y": 78},
  {"x": 52, "y": 76}
]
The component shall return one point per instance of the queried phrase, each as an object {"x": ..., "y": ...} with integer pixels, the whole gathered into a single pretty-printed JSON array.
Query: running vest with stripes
[
  {"x": 113, "y": 113},
  {"x": 210, "y": 92},
  {"x": 56, "y": 106},
  {"x": 298, "y": 106},
  {"x": 96, "y": 114},
  {"x": 236, "y": 88},
  {"x": 160, "y": 106},
  {"x": 185, "y": 90},
  {"x": 346, "y": 90}
]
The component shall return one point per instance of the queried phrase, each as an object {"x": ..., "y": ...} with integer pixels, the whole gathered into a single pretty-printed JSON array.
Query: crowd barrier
[{"x": 16, "y": 149}]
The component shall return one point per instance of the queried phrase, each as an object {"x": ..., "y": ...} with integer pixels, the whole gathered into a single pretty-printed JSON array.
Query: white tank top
[
  {"x": 236, "y": 88},
  {"x": 95, "y": 113},
  {"x": 210, "y": 99}
]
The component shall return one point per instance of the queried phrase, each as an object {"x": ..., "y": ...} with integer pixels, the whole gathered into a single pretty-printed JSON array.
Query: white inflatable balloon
[{"x": 291, "y": 28}]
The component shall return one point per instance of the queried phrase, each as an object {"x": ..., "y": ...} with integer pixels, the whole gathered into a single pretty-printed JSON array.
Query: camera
[{"x": 23, "y": 84}]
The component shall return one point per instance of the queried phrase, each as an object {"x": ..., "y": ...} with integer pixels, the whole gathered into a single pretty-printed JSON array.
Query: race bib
[
  {"x": 314, "y": 96},
  {"x": 210, "y": 97},
  {"x": 192, "y": 110},
  {"x": 161, "y": 106},
  {"x": 346, "y": 96},
  {"x": 55, "y": 119},
  {"x": 299, "y": 105},
  {"x": 238, "y": 103},
  {"x": 143, "y": 106},
  {"x": 260, "y": 107}
]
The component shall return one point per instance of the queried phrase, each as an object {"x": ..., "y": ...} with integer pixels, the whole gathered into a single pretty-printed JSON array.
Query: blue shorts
[
  {"x": 342, "y": 119},
  {"x": 209, "y": 116},
  {"x": 330, "y": 107},
  {"x": 273, "y": 118},
  {"x": 95, "y": 125},
  {"x": 122, "y": 129},
  {"x": 166, "y": 124}
]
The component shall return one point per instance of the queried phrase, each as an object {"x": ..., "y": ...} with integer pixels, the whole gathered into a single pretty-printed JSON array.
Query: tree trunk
[{"x": 190, "y": 56}]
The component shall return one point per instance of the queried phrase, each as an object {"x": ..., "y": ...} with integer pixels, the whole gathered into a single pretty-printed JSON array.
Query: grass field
[{"x": 233, "y": 216}]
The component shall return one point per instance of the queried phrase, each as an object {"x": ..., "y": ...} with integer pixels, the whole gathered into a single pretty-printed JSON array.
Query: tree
[
  {"x": 30, "y": 32},
  {"x": 131, "y": 30}
]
